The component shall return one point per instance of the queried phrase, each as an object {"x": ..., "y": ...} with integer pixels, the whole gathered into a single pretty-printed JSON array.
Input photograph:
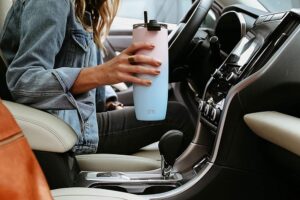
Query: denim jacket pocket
[
  {"x": 82, "y": 38},
  {"x": 80, "y": 47}
]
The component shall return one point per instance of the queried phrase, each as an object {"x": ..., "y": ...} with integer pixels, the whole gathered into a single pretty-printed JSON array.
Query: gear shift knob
[{"x": 169, "y": 146}]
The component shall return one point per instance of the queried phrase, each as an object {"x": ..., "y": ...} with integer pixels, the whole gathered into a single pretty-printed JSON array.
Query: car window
[
  {"x": 166, "y": 11},
  {"x": 280, "y": 5}
]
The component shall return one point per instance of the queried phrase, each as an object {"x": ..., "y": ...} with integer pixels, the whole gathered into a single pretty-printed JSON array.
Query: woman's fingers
[
  {"x": 133, "y": 79},
  {"x": 138, "y": 69},
  {"x": 133, "y": 48},
  {"x": 143, "y": 60}
]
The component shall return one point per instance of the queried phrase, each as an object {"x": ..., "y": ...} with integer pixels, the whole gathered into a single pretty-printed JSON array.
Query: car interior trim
[
  {"x": 242, "y": 85},
  {"x": 173, "y": 193},
  {"x": 43, "y": 131},
  {"x": 277, "y": 128},
  {"x": 243, "y": 24},
  {"x": 92, "y": 194},
  {"x": 231, "y": 94},
  {"x": 114, "y": 162}
]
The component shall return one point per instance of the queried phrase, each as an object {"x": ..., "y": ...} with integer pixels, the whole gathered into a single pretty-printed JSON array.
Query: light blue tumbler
[{"x": 151, "y": 102}]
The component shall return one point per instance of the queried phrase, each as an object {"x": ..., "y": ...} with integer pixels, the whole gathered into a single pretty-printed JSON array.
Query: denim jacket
[{"x": 46, "y": 47}]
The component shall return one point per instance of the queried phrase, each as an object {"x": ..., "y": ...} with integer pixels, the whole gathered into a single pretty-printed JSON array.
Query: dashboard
[
  {"x": 249, "y": 54},
  {"x": 233, "y": 24}
]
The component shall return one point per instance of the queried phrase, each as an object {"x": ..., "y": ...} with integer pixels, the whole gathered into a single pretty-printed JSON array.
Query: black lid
[{"x": 152, "y": 25}]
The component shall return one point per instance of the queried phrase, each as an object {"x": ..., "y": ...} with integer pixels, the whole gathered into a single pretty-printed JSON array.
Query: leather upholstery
[
  {"x": 151, "y": 151},
  {"x": 92, "y": 194},
  {"x": 4, "y": 7},
  {"x": 43, "y": 131},
  {"x": 114, "y": 162},
  {"x": 21, "y": 176},
  {"x": 277, "y": 128}
]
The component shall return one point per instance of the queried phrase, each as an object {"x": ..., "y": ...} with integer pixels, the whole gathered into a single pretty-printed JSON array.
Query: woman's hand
[
  {"x": 119, "y": 69},
  {"x": 122, "y": 69}
]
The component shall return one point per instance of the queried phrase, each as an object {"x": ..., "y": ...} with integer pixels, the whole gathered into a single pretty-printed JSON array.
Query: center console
[
  {"x": 147, "y": 182},
  {"x": 250, "y": 54},
  {"x": 142, "y": 182}
]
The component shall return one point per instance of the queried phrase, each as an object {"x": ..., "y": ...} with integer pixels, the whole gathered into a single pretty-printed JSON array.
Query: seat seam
[{"x": 46, "y": 127}]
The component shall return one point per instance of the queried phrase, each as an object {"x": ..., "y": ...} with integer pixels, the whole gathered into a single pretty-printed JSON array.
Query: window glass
[
  {"x": 168, "y": 11},
  {"x": 280, "y": 5}
]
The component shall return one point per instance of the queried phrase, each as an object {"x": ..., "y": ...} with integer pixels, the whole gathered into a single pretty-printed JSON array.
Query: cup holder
[
  {"x": 141, "y": 190},
  {"x": 159, "y": 189}
]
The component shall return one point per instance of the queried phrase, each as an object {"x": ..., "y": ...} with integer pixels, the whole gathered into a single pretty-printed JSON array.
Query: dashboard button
[
  {"x": 215, "y": 114},
  {"x": 202, "y": 105},
  {"x": 207, "y": 110}
]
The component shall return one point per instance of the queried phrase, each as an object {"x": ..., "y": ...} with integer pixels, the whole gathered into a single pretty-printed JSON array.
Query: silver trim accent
[
  {"x": 182, "y": 188},
  {"x": 213, "y": 114},
  {"x": 206, "y": 110},
  {"x": 165, "y": 168},
  {"x": 243, "y": 24}
]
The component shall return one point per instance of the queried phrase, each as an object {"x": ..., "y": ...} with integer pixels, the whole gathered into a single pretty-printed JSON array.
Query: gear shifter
[{"x": 169, "y": 146}]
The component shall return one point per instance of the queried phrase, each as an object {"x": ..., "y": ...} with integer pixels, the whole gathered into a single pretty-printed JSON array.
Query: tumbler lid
[{"x": 152, "y": 25}]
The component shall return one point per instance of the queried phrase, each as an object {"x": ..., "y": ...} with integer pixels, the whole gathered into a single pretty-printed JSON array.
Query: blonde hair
[{"x": 103, "y": 12}]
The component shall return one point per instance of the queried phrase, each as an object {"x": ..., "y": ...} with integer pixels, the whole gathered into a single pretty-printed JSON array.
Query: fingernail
[
  {"x": 148, "y": 83},
  {"x": 151, "y": 45},
  {"x": 157, "y": 72},
  {"x": 158, "y": 63}
]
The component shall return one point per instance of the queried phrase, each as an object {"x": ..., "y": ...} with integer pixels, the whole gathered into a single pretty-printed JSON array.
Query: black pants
[{"x": 121, "y": 133}]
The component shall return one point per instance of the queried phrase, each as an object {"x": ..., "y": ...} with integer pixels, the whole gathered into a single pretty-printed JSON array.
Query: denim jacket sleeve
[
  {"x": 110, "y": 94},
  {"x": 32, "y": 77}
]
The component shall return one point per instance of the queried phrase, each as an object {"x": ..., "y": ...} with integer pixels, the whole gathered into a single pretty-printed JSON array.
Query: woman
[{"x": 51, "y": 50}]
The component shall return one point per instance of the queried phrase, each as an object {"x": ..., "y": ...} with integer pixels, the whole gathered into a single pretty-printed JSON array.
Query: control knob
[
  {"x": 202, "y": 105},
  {"x": 215, "y": 114},
  {"x": 232, "y": 77},
  {"x": 207, "y": 110}
]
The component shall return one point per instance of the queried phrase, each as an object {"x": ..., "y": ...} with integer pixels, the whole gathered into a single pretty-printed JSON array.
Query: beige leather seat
[
  {"x": 148, "y": 158},
  {"x": 92, "y": 194},
  {"x": 4, "y": 7},
  {"x": 48, "y": 133},
  {"x": 114, "y": 162}
]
